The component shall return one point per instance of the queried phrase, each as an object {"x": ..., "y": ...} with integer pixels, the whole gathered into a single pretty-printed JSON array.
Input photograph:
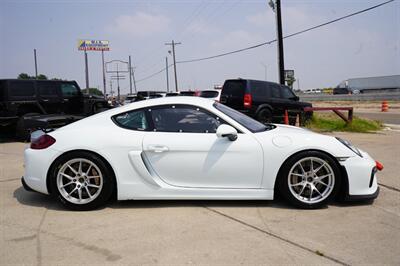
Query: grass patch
[{"x": 333, "y": 123}]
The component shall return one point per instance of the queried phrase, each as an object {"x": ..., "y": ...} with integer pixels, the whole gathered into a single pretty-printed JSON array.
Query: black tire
[
  {"x": 21, "y": 132},
  {"x": 264, "y": 116},
  {"x": 331, "y": 191},
  {"x": 108, "y": 181}
]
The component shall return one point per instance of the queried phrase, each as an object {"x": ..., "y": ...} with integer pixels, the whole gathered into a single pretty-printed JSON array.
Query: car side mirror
[{"x": 227, "y": 131}]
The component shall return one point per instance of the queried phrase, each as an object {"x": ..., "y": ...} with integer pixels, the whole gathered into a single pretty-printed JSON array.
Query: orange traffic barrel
[
  {"x": 286, "y": 118},
  {"x": 385, "y": 106}
]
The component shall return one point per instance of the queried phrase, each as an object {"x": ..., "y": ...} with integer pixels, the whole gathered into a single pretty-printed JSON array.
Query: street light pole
[
  {"x": 276, "y": 6},
  {"x": 130, "y": 75},
  {"x": 166, "y": 70},
  {"x": 265, "y": 68},
  {"x": 104, "y": 74},
  {"x": 34, "y": 55},
  {"x": 87, "y": 73}
]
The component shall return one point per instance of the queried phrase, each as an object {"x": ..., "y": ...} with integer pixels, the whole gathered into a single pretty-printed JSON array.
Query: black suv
[
  {"x": 27, "y": 98},
  {"x": 263, "y": 100}
]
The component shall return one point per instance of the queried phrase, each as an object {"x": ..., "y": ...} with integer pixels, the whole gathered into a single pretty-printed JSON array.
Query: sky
[{"x": 364, "y": 45}]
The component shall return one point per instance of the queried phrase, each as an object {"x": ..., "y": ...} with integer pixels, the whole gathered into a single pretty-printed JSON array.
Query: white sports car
[{"x": 193, "y": 148}]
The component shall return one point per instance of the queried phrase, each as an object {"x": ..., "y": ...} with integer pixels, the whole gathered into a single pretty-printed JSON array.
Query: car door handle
[{"x": 157, "y": 148}]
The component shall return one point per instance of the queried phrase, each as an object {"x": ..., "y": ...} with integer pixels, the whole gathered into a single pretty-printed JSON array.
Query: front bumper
[
  {"x": 361, "y": 173},
  {"x": 362, "y": 197}
]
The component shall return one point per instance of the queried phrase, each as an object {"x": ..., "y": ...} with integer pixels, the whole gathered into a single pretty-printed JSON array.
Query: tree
[
  {"x": 290, "y": 81},
  {"x": 26, "y": 76},
  {"x": 42, "y": 77}
]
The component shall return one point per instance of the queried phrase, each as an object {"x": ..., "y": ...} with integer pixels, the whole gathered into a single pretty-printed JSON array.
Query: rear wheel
[
  {"x": 81, "y": 181},
  {"x": 265, "y": 116},
  {"x": 309, "y": 179}
]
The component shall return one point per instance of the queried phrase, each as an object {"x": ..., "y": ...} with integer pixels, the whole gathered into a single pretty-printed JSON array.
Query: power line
[
  {"x": 268, "y": 42},
  {"x": 285, "y": 37}
]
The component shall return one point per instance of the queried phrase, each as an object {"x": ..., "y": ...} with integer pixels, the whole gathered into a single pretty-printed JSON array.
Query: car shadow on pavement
[
  {"x": 144, "y": 204},
  {"x": 35, "y": 199}
]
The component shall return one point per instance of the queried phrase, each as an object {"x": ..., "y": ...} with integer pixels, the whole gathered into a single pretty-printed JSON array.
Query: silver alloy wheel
[
  {"x": 79, "y": 181},
  {"x": 311, "y": 180}
]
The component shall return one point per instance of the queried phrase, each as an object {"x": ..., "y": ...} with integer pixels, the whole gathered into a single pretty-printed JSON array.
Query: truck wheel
[
  {"x": 265, "y": 116},
  {"x": 21, "y": 132}
]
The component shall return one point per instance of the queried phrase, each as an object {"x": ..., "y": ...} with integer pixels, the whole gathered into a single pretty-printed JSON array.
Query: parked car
[
  {"x": 187, "y": 93},
  {"x": 43, "y": 99},
  {"x": 210, "y": 94},
  {"x": 170, "y": 94},
  {"x": 339, "y": 90},
  {"x": 193, "y": 148},
  {"x": 263, "y": 100},
  {"x": 130, "y": 98}
]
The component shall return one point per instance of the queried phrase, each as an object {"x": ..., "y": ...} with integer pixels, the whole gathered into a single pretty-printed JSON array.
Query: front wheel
[
  {"x": 81, "y": 181},
  {"x": 309, "y": 179}
]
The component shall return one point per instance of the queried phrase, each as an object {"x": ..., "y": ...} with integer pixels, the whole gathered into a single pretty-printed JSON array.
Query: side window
[
  {"x": 69, "y": 89},
  {"x": 48, "y": 89},
  {"x": 275, "y": 91},
  {"x": 184, "y": 119},
  {"x": 22, "y": 89},
  {"x": 132, "y": 120},
  {"x": 259, "y": 90},
  {"x": 287, "y": 92}
]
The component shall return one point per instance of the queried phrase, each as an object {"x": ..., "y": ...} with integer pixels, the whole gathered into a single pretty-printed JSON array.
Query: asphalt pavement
[{"x": 35, "y": 230}]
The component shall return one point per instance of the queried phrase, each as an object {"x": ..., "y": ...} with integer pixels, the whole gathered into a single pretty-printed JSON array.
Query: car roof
[{"x": 197, "y": 101}]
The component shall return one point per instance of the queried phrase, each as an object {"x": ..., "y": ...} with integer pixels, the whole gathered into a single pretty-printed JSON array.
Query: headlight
[{"x": 350, "y": 146}]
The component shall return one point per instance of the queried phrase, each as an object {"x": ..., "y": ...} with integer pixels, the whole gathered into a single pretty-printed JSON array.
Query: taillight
[
  {"x": 42, "y": 142},
  {"x": 247, "y": 100}
]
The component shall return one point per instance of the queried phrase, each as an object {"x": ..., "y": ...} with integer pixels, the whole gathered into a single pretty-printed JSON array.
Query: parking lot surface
[{"x": 35, "y": 230}]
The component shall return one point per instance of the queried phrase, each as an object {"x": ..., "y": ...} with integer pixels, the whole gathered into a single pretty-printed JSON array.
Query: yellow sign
[{"x": 93, "y": 45}]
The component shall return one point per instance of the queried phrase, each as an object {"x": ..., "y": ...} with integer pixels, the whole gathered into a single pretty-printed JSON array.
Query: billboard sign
[
  {"x": 93, "y": 45},
  {"x": 289, "y": 74}
]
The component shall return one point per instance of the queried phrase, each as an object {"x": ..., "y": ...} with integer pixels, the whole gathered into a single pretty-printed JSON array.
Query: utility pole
[
  {"x": 118, "y": 91},
  {"x": 86, "y": 73},
  {"x": 173, "y": 43},
  {"x": 276, "y": 6},
  {"x": 166, "y": 70},
  {"x": 34, "y": 56},
  {"x": 111, "y": 90},
  {"x": 298, "y": 84},
  {"x": 130, "y": 75},
  {"x": 134, "y": 80},
  {"x": 104, "y": 74}
]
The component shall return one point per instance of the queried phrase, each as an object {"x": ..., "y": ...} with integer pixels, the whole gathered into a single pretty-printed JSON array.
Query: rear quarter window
[
  {"x": 135, "y": 120},
  {"x": 22, "y": 89},
  {"x": 234, "y": 88}
]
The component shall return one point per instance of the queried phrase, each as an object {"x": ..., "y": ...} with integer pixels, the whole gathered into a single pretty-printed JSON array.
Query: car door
[
  {"x": 183, "y": 150},
  {"x": 72, "y": 98},
  {"x": 49, "y": 96}
]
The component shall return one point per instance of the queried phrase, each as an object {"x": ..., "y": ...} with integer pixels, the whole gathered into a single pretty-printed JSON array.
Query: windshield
[{"x": 248, "y": 122}]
